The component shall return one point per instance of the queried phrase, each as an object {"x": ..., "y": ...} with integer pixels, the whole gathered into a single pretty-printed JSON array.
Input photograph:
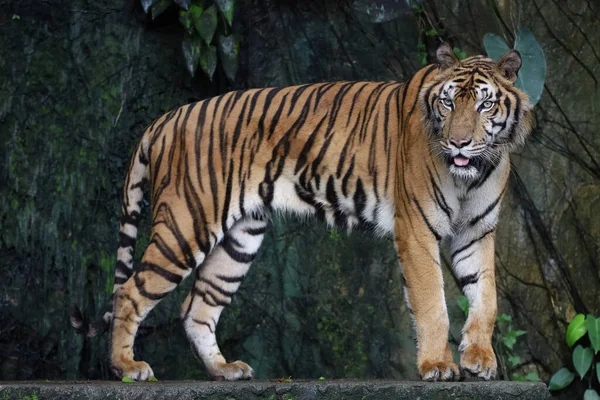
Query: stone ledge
[{"x": 273, "y": 390}]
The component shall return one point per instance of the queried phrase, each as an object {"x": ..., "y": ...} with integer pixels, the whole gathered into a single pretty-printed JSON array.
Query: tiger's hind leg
[
  {"x": 166, "y": 262},
  {"x": 217, "y": 279}
]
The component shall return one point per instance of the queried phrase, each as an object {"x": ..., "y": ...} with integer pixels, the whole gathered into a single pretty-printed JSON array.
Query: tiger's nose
[{"x": 459, "y": 144}]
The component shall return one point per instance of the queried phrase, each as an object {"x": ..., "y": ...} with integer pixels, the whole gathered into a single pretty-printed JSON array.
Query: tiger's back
[{"x": 245, "y": 153}]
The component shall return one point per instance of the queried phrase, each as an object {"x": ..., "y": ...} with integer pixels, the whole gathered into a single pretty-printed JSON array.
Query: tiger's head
[{"x": 473, "y": 112}]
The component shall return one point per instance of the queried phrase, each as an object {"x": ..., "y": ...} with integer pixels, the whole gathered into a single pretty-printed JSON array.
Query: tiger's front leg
[
  {"x": 418, "y": 250},
  {"x": 473, "y": 265}
]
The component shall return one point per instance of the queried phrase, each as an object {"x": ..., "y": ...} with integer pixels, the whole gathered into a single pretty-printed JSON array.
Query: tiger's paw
[
  {"x": 434, "y": 371},
  {"x": 136, "y": 370},
  {"x": 233, "y": 371},
  {"x": 479, "y": 361}
]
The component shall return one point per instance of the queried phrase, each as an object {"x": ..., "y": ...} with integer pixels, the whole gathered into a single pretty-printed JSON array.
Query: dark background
[{"x": 81, "y": 79}]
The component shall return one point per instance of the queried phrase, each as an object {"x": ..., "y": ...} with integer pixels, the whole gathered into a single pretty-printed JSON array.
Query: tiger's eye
[
  {"x": 447, "y": 102},
  {"x": 487, "y": 105}
]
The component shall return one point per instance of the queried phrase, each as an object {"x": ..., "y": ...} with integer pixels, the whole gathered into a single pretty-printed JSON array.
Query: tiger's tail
[{"x": 131, "y": 209}]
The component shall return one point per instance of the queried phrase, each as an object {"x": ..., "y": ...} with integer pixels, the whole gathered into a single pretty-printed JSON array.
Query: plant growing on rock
[
  {"x": 586, "y": 360},
  {"x": 208, "y": 33}
]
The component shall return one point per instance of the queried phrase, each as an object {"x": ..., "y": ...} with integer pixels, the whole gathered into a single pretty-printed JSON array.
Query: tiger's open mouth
[{"x": 461, "y": 161}]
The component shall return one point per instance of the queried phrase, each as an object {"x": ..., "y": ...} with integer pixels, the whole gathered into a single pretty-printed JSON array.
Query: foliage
[
  {"x": 208, "y": 33},
  {"x": 532, "y": 74},
  {"x": 582, "y": 329},
  {"x": 507, "y": 336}
]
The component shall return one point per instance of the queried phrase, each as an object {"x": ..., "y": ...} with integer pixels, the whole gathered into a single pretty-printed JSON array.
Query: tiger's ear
[
  {"x": 509, "y": 64},
  {"x": 446, "y": 57}
]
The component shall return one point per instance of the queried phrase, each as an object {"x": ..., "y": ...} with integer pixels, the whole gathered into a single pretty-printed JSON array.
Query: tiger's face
[{"x": 473, "y": 111}]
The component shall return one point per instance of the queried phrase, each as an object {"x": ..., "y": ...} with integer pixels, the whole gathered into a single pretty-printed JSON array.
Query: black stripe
[
  {"x": 483, "y": 179},
  {"x": 488, "y": 210},
  {"x": 468, "y": 280},
  {"x": 437, "y": 236},
  {"x": 471, "y": 243},
  {"x": 439, "y": 196},
  {"x": 215, "y": 287},
  {"x": 197, "y": 321},
  {"x": 124, "y": 269},
  {"x": 139, "y": 284},
  {"x": 132, "y": 219},
  {"x": 230, "y": 279},
  {"x": 126, "y": 240},
  {"x": 308, "y": 145},
  {"x": 226, "y": 203},
  {"x": 119, "y": 280},
  {"x": 168, "y": 275},
  {"x": 455, "y": 263},
  {"x": 256, "y": 231},
  {"x": 238, "y": 256}
]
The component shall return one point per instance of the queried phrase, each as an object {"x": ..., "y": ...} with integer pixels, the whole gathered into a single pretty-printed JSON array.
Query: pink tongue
[{"x": 461, "y": 161}]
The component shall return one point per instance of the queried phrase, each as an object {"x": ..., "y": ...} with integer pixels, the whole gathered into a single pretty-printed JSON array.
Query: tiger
[{"x": 424, "y": 161}]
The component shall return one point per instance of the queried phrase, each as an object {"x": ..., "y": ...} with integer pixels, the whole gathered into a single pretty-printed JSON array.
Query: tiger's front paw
[
  {"x": 479, "y": 361},
  {"x": 232, "y": 371},
  {"x": 433, "y": 371},
  {"x": 136, "y": 370}
]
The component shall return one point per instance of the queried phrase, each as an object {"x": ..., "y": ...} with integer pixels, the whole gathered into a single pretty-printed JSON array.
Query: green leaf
[
  {"x": 191, "y": 52},
  {"x": 518, "y": 377},
  {"x": 226, "y": 8},
  {"x": 509, "y": 339},
  {"x": 591, "y": 394},
  {"x": 195, "y": 13},
  {"x": 582, "y": 359},
  {"x": 532, "y": 377},
  {"x": 228, "y": 49},
  {"x": 206, "y": 25},
  {"x": 598, "y": 371},
  {"x": 576, "y": 329},
  {"x": 463, "y": 303},
  {"x": 152, "y": 379},
  {"x": 321, "y": 378},
  {"x": 159, "y": 7},
  {"x": 520, "y": 333},
  {"x": 431, "y": 33},
  {"x": 593, "y": 328},
  {"x": 461, "y": 55},
  {"x": 514, "y": 360},
  {"x": 127, "y": 379},
  {"x": 561, "y": 379},
  {"x": 185, "y": 4},
  {"x": 208, "y": 60},
  {"x": 504, "y": 318},
  {"x": 495, "y": 46},
  {"x": 146, "y": 4},
  {"x": 185, "y": 20},
  {"x": 532, "y": 74}
]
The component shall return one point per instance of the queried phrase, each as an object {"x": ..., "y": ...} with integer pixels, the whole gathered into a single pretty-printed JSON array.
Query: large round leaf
[
  {"x": 561, "y": 379},
  {"x": 159, "y": 7},
  {"x": 206, "y": 25},
  {"x": 191, "y": 52},
  {"x": 228, "y": 49},
  {"x": 591, "y": 394},
  {"x": 208, "y": 60},
  {"x": 576, "y": 329},
  {"x": 582, "y": 359},
  {"x": 185, "y": 4},
  {"x": 593, "y": 328},
  {"x": 532, "y": 74},
  {"x": 146, "y": 4},
  {"x": 226, "y": 8},
  {"x": 495, "y": 46}
]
